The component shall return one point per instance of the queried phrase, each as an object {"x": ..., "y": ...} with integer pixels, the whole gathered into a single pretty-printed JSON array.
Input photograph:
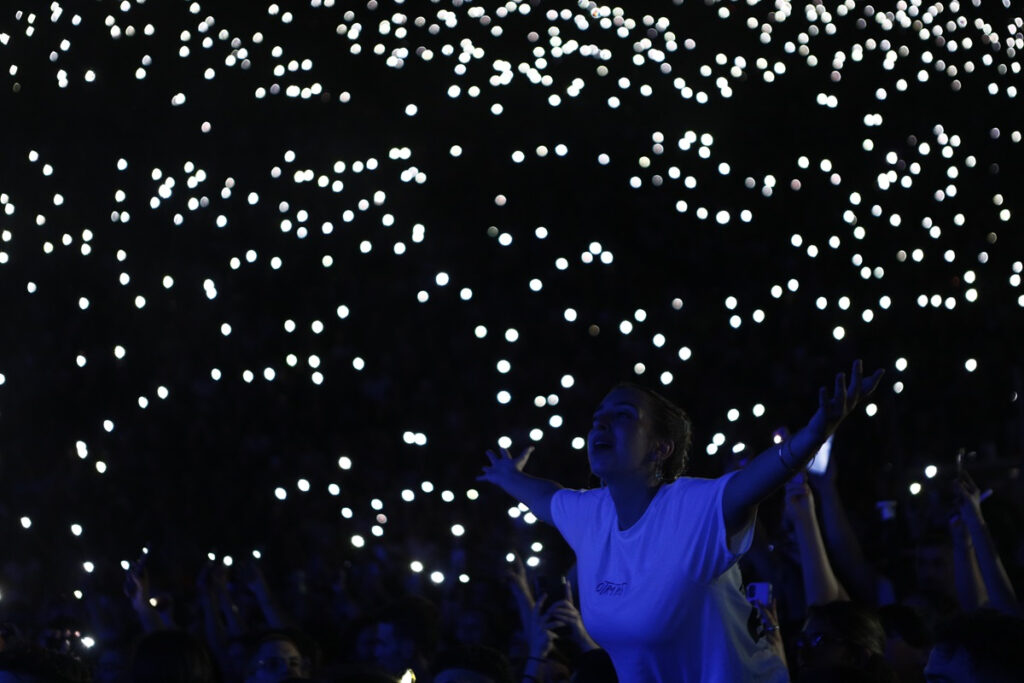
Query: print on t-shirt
[{"x": 610, "y": 588}]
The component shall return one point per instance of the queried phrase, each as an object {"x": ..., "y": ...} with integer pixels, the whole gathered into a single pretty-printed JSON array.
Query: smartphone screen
[{"x": 819, "y": 463}]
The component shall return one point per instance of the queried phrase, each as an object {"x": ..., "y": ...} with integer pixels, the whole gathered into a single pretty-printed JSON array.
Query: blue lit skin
[{"x": 620, "y": 447}]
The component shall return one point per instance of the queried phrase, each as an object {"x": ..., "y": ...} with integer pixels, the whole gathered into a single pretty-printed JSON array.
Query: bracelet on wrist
[{"x": 790, "y": 468}]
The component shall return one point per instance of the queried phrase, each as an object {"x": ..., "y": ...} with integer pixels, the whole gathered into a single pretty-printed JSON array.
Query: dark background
[{"x": 196, "y": 472}]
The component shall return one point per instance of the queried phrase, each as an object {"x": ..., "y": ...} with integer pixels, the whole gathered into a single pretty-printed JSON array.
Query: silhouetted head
[
  {"x": 840, "y": 634},
  {"x": 172, "y": 656},
  {"x": 980, "y": 647}
]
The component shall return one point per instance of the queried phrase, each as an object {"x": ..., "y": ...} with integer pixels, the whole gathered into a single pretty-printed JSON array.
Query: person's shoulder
[
  {"x": 688, "y": 487},
  {"x": 579, "y": 498},
  {"x": 568, "y": 505},
  {"x": 684, "y": 483},
  {"x": 589, "y": 495}
]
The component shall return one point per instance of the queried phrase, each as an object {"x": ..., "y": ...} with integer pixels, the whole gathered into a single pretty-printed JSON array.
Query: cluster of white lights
[
  {"x": 414, "y": 438},
  {"x": 914, "y": 45}
]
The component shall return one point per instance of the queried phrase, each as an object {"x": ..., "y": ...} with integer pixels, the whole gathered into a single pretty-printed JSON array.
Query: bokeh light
[{"x": 401, "y": 274}]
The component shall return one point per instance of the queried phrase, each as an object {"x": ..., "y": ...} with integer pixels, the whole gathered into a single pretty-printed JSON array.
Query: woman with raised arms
[{"x": 656, "y": 552}]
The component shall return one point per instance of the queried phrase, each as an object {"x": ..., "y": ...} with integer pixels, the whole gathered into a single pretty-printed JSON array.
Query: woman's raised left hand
[{"x": 834, "y": 407}]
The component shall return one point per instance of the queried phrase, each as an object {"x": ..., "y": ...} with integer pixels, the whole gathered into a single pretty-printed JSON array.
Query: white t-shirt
[{"x": 664, "y": 597}]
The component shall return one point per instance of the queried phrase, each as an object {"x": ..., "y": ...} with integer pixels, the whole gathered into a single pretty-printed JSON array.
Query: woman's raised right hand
[{"x": 501, "y": 465}]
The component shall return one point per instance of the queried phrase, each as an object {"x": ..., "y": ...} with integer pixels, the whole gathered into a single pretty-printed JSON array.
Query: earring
[{"x": 659, "y": 476}]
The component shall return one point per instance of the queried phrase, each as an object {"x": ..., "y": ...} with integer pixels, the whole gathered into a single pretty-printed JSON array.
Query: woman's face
[{"x": 619, "y": 443}]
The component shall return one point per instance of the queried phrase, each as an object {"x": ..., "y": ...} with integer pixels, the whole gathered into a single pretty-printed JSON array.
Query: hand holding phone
[{"x": 759, "y": 593}]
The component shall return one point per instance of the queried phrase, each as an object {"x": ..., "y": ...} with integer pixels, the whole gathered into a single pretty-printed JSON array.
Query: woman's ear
[{"x": 662, "y": 450}]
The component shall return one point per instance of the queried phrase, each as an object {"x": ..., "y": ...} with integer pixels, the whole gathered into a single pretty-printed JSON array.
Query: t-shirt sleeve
[
  {"x": 568, "y": 513},
  {"x": 696, "y": 511}
]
